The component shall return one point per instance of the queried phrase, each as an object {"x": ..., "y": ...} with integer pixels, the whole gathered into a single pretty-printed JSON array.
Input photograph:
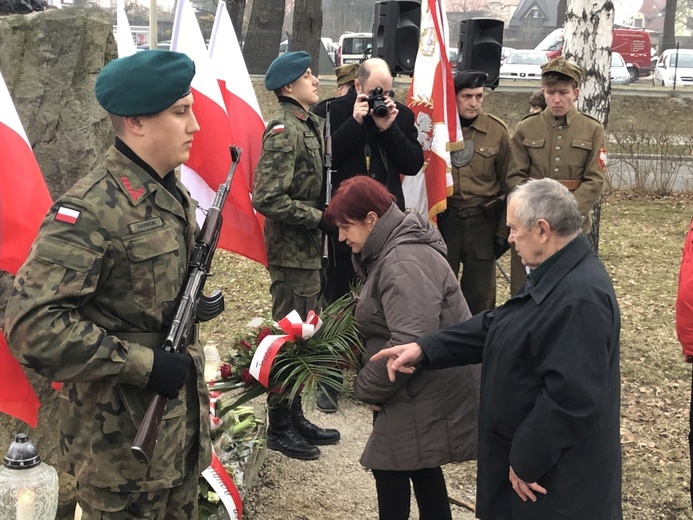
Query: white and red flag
[
  {"x": 126, "y": 45},
  {"x": 210, "y": 159},
  {"x": 237, "y": 90},
  {"x": 432, "y": 99},
  {"x": 24, "y": 201}
]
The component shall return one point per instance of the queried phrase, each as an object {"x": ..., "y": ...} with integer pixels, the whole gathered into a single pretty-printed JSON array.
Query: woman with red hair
[{"x": 427, "y": 419}]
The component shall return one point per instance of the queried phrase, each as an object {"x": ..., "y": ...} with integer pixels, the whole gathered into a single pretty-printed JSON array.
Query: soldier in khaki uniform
[
  {"x": 94, "y": 300},
  {"x": 473, "y": 226},
  {"x": 560, "y": 143},
  {"x": 289, "y": 192}
]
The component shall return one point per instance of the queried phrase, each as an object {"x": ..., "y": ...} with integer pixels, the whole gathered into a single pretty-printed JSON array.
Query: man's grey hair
[{"x": 549, "y": 200}]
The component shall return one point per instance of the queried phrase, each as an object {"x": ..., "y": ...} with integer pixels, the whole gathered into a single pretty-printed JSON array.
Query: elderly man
[
  {"x": 549, "y": 425},
  {"x": 473, "y": 225},
  {"x": 93, "y": 302},
  {"x": 559, "y": 143}
]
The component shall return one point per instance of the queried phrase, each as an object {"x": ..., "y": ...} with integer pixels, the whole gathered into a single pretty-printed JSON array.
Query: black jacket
[
  {"x": 550, "y": 393},
  {"x": 393, "y": 152}
]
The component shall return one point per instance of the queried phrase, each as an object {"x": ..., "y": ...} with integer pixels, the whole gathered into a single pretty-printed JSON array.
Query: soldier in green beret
[
  {"x": 559, "y": 143},
  {"x": 288, "y": 190},
  {"x": 93, "y": 302}
]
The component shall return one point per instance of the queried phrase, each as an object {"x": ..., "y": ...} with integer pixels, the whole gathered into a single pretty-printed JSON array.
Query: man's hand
[
  {"x": 361, "y": 108},
  {"x": 383, "y": 123},
  {"x": 400, "y": 358},
  {"x": 524, "y": 489}
]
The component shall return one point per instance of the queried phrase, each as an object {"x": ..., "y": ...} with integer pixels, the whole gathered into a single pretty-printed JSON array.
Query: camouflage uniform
[
  {"x": 89, "y": 303},
  {"x": 288, "y": 191},
  {"x": 568, "y": 148},
  {"x": 470, "y": 229}
]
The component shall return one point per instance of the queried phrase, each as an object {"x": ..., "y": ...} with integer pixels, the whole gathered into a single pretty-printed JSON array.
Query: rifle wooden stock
[
  {"x": 186, "y": 315},
  {"x": 145, "y": 440}
]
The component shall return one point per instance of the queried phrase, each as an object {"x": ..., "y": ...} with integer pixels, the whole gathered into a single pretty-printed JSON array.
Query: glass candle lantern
[{"x": 28, "y": 487}]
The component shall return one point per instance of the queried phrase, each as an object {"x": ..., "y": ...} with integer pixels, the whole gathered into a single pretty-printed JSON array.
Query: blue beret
[
  {"x": 286, "y": 68},
  {"x": 469, "y": 79},
  {"x": 144, "y": 83}
]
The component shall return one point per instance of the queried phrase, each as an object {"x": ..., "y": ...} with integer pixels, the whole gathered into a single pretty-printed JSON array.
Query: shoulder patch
[
  {"x": 67, "y": 215},
  {"x": 277, "y": 129},
  {"x": 602, "y": 159}
]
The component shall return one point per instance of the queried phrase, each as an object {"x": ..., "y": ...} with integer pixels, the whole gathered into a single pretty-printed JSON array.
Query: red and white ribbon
[
  {"x": 267, "y": 350},
  {"x": 222, "y": 484}
]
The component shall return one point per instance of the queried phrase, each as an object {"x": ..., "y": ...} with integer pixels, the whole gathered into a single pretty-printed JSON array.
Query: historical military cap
[
  {"x": 563, "y": 66},
  {"x": 469, "y": 79},
  {"x": 144, "y": 83},
  {"x": 346, "y": 73},
  {"x": 286, "y": 68}
]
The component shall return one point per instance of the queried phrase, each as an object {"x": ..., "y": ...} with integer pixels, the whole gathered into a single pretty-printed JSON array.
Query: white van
[
  {"x": 354, "y": 47},
  {"x": 668, "y": 63}
]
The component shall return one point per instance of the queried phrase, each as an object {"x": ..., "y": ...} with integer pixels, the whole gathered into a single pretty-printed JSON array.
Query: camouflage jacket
[
  {"x": 110, "y": 258},
  {"x": 288, "y": 188}
]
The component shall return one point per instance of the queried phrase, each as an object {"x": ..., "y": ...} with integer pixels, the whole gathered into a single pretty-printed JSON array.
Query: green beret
[
  {"x": 563, "y": 66},
  {"x": 144, "y": 83},
  {"x": 469, "y": 79},
  {"x": 286, "y": 68}
]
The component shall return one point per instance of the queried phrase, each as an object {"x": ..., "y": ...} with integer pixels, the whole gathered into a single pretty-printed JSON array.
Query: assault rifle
[
  {"x": 328, "y": 182},
  {"x": 193, "y": 307}
]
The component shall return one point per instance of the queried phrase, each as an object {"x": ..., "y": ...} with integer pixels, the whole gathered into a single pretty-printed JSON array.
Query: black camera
[{"x": 376, "y": 102}]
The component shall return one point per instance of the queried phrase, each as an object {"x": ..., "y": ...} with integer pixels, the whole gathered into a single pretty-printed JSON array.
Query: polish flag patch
[
  {"x": 603, "y": 161},
  {"x": 67, "y": 215},
  {"x": 277, "y": 129}
]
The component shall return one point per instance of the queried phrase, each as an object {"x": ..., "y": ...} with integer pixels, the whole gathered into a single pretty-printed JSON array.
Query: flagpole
[{"x": 153, "y": 36}]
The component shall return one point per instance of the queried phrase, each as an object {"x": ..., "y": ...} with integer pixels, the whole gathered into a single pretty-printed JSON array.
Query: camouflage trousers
[
  {"x": 177, "y": 503},
  {"x": 293, "y": 288}
]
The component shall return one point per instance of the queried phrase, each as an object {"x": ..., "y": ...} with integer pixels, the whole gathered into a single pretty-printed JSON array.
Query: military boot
[
  {"x": 311, "y": 432},
  {"x": 283, "y": 437}
]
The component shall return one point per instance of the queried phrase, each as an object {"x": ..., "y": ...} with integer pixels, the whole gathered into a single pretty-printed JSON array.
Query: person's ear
[
  {"x": 371, "y": 218},
  {"x": 544, "y": 228},
  {"x": 133, "y": 124}
]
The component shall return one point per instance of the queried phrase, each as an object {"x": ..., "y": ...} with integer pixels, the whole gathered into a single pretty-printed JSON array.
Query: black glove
[
  {"x": 169, "y": 372},
  {"x": 500, "y": 246},
  {"x": 329, "y": 229}
]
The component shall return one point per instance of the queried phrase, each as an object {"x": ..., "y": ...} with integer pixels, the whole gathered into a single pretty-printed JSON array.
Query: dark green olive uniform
[
  {"x": 108, "y": 264},
  {"x": 570, "y": 149},
  {"x": 288, "y": 191},
  {"x": 476, "y": 214}
]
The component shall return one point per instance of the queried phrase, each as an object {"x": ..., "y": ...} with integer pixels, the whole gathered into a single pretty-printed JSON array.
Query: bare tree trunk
[
  {"x": 264, "y": 35},
  {"x": 669, "y": 29},
  {"x": 306, "y": 29},
  {"x": 236, "y": 10},
  {"x": 588, "y": 37}
]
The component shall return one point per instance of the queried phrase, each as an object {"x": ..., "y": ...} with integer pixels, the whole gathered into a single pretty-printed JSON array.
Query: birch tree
[{"x": 588, "y": 34}]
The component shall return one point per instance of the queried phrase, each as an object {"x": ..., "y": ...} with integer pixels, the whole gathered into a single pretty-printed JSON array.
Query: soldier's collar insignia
[
  {"x": 135, "y": 194},
  {"x": 302, "y": 115}
]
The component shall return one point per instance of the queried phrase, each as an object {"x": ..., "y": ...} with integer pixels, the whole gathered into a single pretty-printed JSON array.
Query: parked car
[
  {"x": 505, "y": 52},
  {"x": 164, "y": 45},
  {"x": 354, "y": 47},
  {"x": 672, "y": 63},
  {"x": 452, "y": 58},
  {"x": 620, "y": 75},
  {"x": 523, "y": 64}
]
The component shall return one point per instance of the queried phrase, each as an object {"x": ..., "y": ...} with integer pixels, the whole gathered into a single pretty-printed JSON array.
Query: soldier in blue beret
[
  {"x": 288, "y": 191},
  {"x": 93, "y": 302}
]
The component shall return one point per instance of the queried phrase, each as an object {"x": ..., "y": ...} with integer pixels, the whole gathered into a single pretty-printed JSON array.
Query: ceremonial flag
[
  {"x": 210, "y": 159},
  {"x": 126, "y": 45},
  {"x": 24, "y": 201},
  {"x": 432, "y": 99},
  {"x": 237, "y": 90}
]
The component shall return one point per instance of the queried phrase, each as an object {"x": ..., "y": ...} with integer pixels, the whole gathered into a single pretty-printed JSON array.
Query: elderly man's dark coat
[{"x": 550, "y": 393}]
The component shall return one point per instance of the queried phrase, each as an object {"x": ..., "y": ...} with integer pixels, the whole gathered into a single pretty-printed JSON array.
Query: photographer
[{"x": 372, "y": 135}]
